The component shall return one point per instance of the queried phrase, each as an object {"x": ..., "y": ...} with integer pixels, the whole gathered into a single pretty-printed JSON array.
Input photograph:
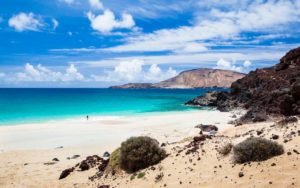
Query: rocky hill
[
  {"x": 270, "y": 91},
  {"x": 196, "y": 78}
]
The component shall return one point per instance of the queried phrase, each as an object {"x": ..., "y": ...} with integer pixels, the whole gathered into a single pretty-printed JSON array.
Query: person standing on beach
[{"x": 87, "y": 117}]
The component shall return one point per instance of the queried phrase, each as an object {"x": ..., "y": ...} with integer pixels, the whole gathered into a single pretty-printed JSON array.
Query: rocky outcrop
[
  {"x": 270, "y": 91},
  {"x": 197, "y": 78}
]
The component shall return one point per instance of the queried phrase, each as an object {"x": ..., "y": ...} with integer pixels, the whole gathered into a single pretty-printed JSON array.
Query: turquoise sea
[{"x": 19, "y": 106}]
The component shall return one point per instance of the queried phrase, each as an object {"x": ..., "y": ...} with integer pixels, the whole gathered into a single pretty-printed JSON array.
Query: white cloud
[
  {"x": 70, "y": 33},
  {"x": 228, "y": 65},
  {"x": 217, "y": 25},
  {"x": 96, "y": 4},
  {"x": 107, "y": 21},
  {"x": 247, "y": 64},
  {"x": 40, "y": 73},
  {"x": 133, "y": 71},
  {"x": 55, "y": 23},
  {"x": 23, "y": 21}
]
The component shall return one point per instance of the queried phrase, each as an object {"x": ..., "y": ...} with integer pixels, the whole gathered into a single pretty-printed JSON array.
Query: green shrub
[
  {"x": 139, "y": 153},
  {"x": 226, "y": 149},
  {"x": 141, "y": 175},
  {"x": 256, "y": 149},
  {"x": 114, "y": 159}
]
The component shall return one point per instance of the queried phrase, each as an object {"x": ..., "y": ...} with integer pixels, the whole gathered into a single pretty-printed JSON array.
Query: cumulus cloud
[
  {"x": 133, "y": 71},
  {"x": 40, "y": 73},
  {"x": 24, "y": 21},
  {"x": 107, "y": 21},
  {"x": 228, "y": 65},
  {"x": 219, "y": 24},
  {"x": 96, "y": 4},
  {"x": 55, "y": 23}
]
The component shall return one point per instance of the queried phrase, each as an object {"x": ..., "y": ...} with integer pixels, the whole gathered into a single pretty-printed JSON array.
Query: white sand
[{"x": 107, "y": 132}]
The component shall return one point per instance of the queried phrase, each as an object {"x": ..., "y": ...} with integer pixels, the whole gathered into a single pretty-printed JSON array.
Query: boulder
[
  {"x": 207, "y": 128},
  {"x": 66, "y": 173}
]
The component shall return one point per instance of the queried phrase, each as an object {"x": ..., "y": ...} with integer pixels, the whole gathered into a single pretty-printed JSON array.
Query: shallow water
[{"x": 35, "y": 105}]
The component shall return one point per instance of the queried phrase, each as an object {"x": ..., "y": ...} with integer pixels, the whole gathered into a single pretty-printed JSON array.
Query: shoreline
[{"x": 169, "y": 126}]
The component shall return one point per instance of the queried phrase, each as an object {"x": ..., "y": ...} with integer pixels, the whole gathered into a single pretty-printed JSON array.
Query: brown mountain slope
[{"x": 196, "y": 78}]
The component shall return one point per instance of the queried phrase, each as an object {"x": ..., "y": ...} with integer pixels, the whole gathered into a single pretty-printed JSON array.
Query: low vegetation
[
  {"x": 256, "y": 149},
  {"x": 141, "y": 175},
  {"x": 226, "y": 149},
  {"x": 140, "y": 152},
  {"x": 114, "y": 160}
]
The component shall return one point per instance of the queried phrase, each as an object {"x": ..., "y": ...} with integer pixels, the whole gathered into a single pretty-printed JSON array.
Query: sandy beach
[
  {"x": 27, "y": 152},
  {"x": 37, "y": 144}
]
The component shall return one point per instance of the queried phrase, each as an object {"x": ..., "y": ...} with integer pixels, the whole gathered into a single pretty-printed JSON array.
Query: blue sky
[{"x": 98, "y": 43}]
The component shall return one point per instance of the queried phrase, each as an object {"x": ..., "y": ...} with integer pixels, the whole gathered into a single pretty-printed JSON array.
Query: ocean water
[{"x": 19, "y": 106}]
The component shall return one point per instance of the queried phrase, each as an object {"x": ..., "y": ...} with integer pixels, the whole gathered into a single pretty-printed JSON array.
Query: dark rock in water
[
  {"x": 207, "y": 128},
  {"x": 209, "y": 99},
  {"x": 66, "y": 173},
  {"x": 268, "y": 91},
  {"x": 106, "y": 154}
]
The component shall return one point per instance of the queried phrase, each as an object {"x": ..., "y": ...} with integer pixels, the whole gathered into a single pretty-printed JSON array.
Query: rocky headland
[
  {"x": 264, "y": 92},
  {"x": 196, "y": 78}
]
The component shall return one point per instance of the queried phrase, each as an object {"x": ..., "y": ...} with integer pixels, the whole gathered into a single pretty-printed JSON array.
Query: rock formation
[
  {"x": 272, "y": 91},
  {"x": 197, "y": 78}
]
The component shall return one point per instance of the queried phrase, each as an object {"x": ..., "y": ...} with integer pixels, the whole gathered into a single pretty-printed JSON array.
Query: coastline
[{"x": 78, "y": 132}]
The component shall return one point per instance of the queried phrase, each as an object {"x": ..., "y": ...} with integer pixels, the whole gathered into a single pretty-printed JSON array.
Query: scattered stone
[
  {"x": 103, "y": 186},
  {"x": 159, "y": 177},
  {"x": 75, "y": 156},
  {"x": 207, "y": 128},
  {"x": 273, "y": 164},
  {"x": 66, "y": 173},
  {"x": 49, "y": 163},
  {"x": 241, "y": 174},
  {"x": 289, "y": 153},
  {"x": 295, "y": 151},
  {"x": 90, "y": 162},
  {"x": 259, "y": 132},
  {"x": 55, "y": 159},
  {"x": 274, "y": 137}
]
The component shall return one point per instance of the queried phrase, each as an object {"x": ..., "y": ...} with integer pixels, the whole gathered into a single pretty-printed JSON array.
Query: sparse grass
[
  {"x": 141, "y": 175},
  {"x": 256, "y": 149},
  {"x": 139, "y": 153},
  {"x": 226, "y": 149},
  {"x": 132, "y": 177}
]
